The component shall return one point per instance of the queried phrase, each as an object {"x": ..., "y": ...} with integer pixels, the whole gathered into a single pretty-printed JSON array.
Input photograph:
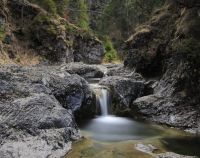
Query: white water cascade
[
  {"x": 108, "y": 127},
  {"x": 102, "y": 96}
]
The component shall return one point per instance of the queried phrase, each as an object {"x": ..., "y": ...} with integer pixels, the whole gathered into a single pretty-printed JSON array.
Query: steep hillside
[
  {"x": 30, "y": 35},
  {"x": 167, "y": 48}
]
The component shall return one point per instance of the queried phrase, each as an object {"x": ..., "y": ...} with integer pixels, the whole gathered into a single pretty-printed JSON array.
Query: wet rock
[
  {"x": 173, "y": 155},
  {"x": 84, "y": 70},
  {"x": 123, "y": 92},
  {"x": 166, "y": 110}
]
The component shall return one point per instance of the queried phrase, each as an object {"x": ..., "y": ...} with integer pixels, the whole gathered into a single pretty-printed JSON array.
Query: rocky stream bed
[{"x": 41, "y": 105}]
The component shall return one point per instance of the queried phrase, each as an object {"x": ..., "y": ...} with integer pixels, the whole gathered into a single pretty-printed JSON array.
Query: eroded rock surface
[
  {"x": 85, "y": 70},
  {"x": 167, "y": 49},
  {"x": 37, "y": 106}
]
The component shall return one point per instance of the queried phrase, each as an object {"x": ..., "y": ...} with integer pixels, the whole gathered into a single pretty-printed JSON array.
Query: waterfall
[
  {"x": 102, "y": 96},
  {"x": 103, "y": 101}
]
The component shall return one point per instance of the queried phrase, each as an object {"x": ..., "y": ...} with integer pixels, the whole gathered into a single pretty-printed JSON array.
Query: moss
[
  {"x": 46, "y": 22},
  {"x": 42, "y": 18}
]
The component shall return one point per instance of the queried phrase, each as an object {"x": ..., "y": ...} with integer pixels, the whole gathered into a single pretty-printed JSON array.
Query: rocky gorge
[{"x": 41, "y": 105}]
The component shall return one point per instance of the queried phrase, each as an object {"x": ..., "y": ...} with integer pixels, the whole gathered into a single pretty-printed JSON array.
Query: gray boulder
[
  {"x": 165, "y": 110},
  {"x": 85, "y": 70},
  {"x": 36, "y": 126},
  {"x": 36, "y": 111},
  {"x": 123, "y": 92},
  {"x": 88, "y": 50},
  {"x": 176, "y": 97},
  {"x": 120, "y": 70}
]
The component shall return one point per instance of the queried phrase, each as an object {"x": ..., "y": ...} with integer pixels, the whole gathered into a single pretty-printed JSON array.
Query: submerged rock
[{"x": 149, "y": 149}]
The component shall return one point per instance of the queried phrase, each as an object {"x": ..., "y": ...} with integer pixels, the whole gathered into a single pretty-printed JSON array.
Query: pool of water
[
  {"x": 109, "y": 136},
  {"x": 111, "y": 129},
  {"x": 115, "y": 137}
]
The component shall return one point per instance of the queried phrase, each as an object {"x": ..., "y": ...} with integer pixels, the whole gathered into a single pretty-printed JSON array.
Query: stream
[{"x": 109, "y": 136}]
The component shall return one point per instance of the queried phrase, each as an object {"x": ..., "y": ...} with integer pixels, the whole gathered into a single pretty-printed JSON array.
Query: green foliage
[
  {"x": 48, "y": 5},
  {"x": 110, "y": 52},
  {"x": 42, "y": 19},
  {"x": 44, "y": 22},
  {"x": 78, "y": 13},
  {"x": 121, "y": 17},
  {"x": 83, "y": 16},
  {"x": 61, "y": 6}
]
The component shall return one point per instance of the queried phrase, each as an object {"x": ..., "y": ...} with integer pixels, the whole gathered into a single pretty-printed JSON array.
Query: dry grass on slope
[{"x": 21, "y": 57}]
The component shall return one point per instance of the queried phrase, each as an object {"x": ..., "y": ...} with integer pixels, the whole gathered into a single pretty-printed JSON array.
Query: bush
[{"x": 110, "y": 52}]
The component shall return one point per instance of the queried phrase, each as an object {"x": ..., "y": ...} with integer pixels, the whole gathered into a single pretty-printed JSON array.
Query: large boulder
[
  {"x": 88, "y": 50},
  {"x": 176, "y": 98},
  {"x": 123, "y": 92},
  {"x": 120, "y": 70},
  {"x": 167, "y": 49},
  {"x": 37, "y": 106},
  {"x": 36, "y": 126},
  {"x": 165, "y": 110},
  {"x": 71, "y": 91},
  {"x": 85, "y": 70}
]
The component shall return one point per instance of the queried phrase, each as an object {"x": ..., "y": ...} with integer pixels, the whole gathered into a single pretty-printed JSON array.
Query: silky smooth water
[
  {"x": 110, "y": 136},
  {"x": 112, "y": 128}
]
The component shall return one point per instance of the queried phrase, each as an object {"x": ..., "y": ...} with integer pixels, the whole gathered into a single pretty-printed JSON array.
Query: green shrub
[
  {"x": 110, "y": 52},
  {"x": 61, "y": 5},
  {"x": 83, "y": 16}
]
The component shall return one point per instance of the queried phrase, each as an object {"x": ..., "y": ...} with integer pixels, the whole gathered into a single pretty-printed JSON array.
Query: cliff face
[
  {"x": 167, "y": 47},
  {"x": 26, "y": 29}
]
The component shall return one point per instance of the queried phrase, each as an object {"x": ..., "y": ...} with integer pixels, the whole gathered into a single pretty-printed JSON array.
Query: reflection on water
[
  {"x": 111, "y": 128},
  {"x": 183, "y": 145}
]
